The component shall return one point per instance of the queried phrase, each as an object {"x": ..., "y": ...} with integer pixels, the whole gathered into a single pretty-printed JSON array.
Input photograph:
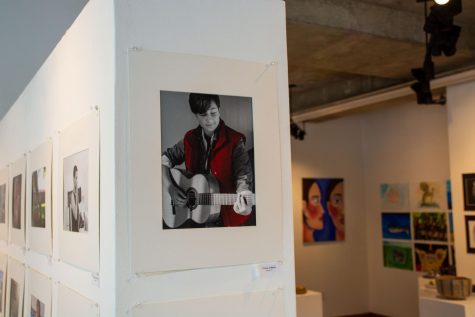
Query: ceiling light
[{"x": 442, "y": 1}]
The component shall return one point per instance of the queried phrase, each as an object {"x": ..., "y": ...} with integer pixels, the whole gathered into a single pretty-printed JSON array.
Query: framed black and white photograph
[
  {"x": 75, "y": 182},
  {"x": 15, "y": 288},
  {"x": 470, "y": 232},
  {"x": 204, "y": 155},
  {"x": 17, "y": 202},
  {"x": 79, "y": 193},
  {"x": 208, "y": 159},
  {"x": 17, "y": 186},
  {"x": 3, "y": 282},
  {"x": 469, "y": 191},
  {"x": 4, "y": 204},
  {"x": 38, "y": 295},
  {"x": 39, "y": 199},
  {"x": 37, "y": 307}
]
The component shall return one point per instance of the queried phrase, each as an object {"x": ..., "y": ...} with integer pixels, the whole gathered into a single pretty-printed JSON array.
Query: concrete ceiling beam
[
  {"x": 359, "y": 17},
  {"x": 370, "y": 19}
]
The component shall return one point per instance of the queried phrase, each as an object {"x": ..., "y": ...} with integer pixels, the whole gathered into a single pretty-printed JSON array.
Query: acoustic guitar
[{"x": 203, "y": 199}]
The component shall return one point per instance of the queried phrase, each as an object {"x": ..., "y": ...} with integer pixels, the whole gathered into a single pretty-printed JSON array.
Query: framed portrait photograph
[
  {"x": 470, "y": 233},
  {"x": 38, "y": 199},
  {"x": 469, "y": 191},
  {"x": 323, "y": 210},
  {"x": 202, "y": 166},
  {"x": 38, "y": 294},
  {"x": 4, "y": 204},
  {"x": 3, "y": 282},
  {"x": 208, "y": 159},
  {"x": 75, "y": 207},
  {"x": 79, "y": 210},
  {"x": 15, "y": 288},
  {"x": 17, "y": 202}
]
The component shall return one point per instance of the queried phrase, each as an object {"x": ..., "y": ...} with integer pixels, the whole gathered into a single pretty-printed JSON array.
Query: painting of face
[
  {"x": 323, "y": 209},
  {"x": 336, "y": 209},
  {"x": 314, "y": 211}
]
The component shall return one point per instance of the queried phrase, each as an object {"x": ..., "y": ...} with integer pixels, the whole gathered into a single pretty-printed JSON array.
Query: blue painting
[
  {"x": 396, "y": 226},
  {"x": 449, "y": 195}
]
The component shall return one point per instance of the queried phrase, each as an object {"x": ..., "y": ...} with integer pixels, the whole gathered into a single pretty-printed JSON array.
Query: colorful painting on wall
[
  {"x": 430, "y": 226},
  {"x": 449, "y": 195},
  {"x": 428, "y": 196},
  {"x": 394, "y": 197},
  {"x": 431, "y": 257},
  {"x": 396, "y": 226},
  {"x": 398, "y": 255},
  {"x": 323, "y": 209},
  {"x": 451, "y": 226}
]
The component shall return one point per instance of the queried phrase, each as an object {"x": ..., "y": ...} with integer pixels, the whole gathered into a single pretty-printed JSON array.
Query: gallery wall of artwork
[
  {"x": 417, "y": 226},
  {"x": 54, "y": 120},
  {"x": 401, "y": 145},
  {"x": 32, "y": 222},
  {"x": 86, "y": 255},
  {"x": 328, "y": 183},
  {"x": 462, "y": 169}
]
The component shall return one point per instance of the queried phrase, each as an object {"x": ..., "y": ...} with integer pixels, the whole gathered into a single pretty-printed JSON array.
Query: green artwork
[
  {"x": 398, "y": 255},
  {"x": 430, "y": 226}
]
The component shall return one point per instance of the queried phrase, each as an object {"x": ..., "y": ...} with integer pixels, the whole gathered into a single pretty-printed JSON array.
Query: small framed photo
[
  {"x": 470, "y": 230},
  {"x": 469, "y": 191}
]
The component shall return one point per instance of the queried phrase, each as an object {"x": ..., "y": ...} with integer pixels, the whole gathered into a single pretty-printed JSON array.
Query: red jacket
[{"x": 221, "y": 164}]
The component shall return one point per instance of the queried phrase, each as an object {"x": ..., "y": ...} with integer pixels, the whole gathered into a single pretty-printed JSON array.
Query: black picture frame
[
  {"x": 469, "y": 191},
  {"x": 470, "y": 233}
]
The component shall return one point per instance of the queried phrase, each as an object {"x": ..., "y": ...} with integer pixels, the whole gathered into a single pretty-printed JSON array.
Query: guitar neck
[{"x": 223, "y": 199}]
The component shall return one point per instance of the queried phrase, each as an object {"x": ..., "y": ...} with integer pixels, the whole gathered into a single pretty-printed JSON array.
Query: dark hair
[
  {"x": 200, "y": 103},
  {"x": 331, "y": 186},
  {"x": 75, "y": 170}
]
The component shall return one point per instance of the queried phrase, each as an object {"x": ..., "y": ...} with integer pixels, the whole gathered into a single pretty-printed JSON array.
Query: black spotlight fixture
[
  {"x": 296, "y": 131},
  {"x": 423, "y": 76},
  {"x": 444, "y": 34},
  {"x": 441, "y": 38}
]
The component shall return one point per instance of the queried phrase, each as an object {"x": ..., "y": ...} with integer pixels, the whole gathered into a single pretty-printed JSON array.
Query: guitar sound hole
[{"x": 191, "y": 200}]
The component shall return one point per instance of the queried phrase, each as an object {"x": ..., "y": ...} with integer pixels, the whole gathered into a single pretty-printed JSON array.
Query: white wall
[
  {"x": 77, "y": 76},
  {"x": 461, "y": 116},
  {"x": 333, "y": 149},
  {"x": 403, "y": 143},
  {"x": 235, "y": 29}
]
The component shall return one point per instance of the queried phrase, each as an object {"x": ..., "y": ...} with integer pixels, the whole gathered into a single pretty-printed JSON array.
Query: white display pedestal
[
  {"x": 310, "y": 304},
  {"x": 430, "y": 305}
]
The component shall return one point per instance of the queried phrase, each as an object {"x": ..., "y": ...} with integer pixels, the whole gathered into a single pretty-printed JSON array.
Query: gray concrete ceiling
[
  {"x": 29, "y": 31},
  {"x": 337, "y": 49}
]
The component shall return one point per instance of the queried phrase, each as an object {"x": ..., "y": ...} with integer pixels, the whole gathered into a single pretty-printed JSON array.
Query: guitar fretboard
[{"x": 223, "y": 199}]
